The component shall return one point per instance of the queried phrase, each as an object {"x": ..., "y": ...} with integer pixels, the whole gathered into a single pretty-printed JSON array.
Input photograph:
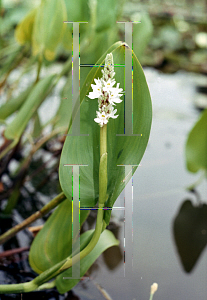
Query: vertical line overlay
[
  {"x": 75, "y": 79},
  {"x": 75, "y": 219},
  {"x": 128, "y": 220},
  {"x": 128, "y": 131}
]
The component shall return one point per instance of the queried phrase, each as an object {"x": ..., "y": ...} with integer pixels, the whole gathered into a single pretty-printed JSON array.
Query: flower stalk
[
  {"x": 103, "y": 166},
  {"x": 108, "y": 96}
]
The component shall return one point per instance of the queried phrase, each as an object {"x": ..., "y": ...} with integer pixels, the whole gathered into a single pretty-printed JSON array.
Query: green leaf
[
  {"x": 15, "y": 129},
  {"x": 9, "y": 62},
  {"x": 196, "y": 146},
  {"x": 23, "y": 32},
  {"x": 93, "y": 51},
  {"x": 106, "y": 241},
  {"x": 67, "y": 39},
  {"x": 102, "y": 29},
  {"x": 49, "y": 28},
  {"x": 54, "y": 241},
  {"x": 77, "y": 10},
  {"x": 37, "y": 129},
  {"x": 63, "y": 114},
  {"x": 121, "y": 149},
  {"x": 105, "y": 14},
  {"x": 14, "y": 104},
  {"x": 142, "y": 32}
]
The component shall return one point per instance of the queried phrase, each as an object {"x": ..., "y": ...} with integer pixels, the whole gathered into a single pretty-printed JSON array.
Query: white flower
[
  {"x": 108, "y": 84},
  {"x": 112, "y": 114},
  {"x": 106, "y": 93},
  {"x": 114, "y": 96},
  {"x": 102, "y": 118},
  {"x": 97, "y": 89}
]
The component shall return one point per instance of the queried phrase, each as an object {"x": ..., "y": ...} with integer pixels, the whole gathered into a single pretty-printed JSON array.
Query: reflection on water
[
  {"x": 158, "y": 192},
  {"x": 190, "y": 233}
]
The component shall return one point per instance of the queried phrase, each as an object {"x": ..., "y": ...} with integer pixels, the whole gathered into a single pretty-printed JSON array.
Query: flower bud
[{"x": 154, "y": 288}]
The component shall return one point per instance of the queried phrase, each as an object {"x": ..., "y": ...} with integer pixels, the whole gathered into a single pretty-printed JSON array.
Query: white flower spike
[{"x": 106, "y": 93}]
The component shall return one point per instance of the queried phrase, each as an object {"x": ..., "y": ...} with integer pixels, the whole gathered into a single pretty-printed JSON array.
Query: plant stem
[
  {"x": 12, "y": 201},
  {"x": 151, "y": 296},
  {"x": 39, "y": 68},
  {"x": 32, "y": 285},
  {"x": 47, "y": 137},
  {"x": 67, "y": 263},
  {"x": 198, "y": 181},
  {"x": 8, "y": 148},
  {"x": 47, "y": 285},
  {"x": 58, "y": 268},
  {"x": 103, "y": 165},
  {"x": 92, "y": 243},
  {"x": 48, "y": 207}
]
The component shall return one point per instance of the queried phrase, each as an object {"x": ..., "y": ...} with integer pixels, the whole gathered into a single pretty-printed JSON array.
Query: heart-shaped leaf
[
  {"x": 106, "y": 241},
  {"x": 122, "y": 150},
  {"x": 196, "y": 145},
  {"x": 190, "y": 233}
]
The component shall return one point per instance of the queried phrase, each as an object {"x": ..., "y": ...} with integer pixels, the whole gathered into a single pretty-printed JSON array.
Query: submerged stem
[
  {"x": 48, "y": 207},
  {"x": 58, "y": 268}
]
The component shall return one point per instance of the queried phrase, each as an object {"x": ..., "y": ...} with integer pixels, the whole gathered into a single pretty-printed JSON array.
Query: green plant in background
[
  {"x": 43, "y": 37},
  {"x": 190, "y": 224},
  {"x": 196, "y": 158}
]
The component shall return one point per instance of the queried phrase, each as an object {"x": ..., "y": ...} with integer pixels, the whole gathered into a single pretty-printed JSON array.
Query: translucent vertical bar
[
  {"x": 75, "y": 81},
  {"x": 128, "y": 221},
  {"x": 128, "y": 224},
  {"x": 76, "y": 223},
  {"x": 128, "y": 79}
]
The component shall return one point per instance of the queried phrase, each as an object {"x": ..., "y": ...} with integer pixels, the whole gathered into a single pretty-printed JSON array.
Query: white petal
[
  {"x": 97, "y": 120},
  {"x": 92, "y": 95},
  {"x": 98, "y": 81},
  {"x": 115, "y": 99},
  {"x": 114, "y": 117},
  {"x": 112, "y": 114}
]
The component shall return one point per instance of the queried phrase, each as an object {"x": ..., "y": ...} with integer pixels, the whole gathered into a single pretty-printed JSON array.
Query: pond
[{"x": 159, "y": 189}]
